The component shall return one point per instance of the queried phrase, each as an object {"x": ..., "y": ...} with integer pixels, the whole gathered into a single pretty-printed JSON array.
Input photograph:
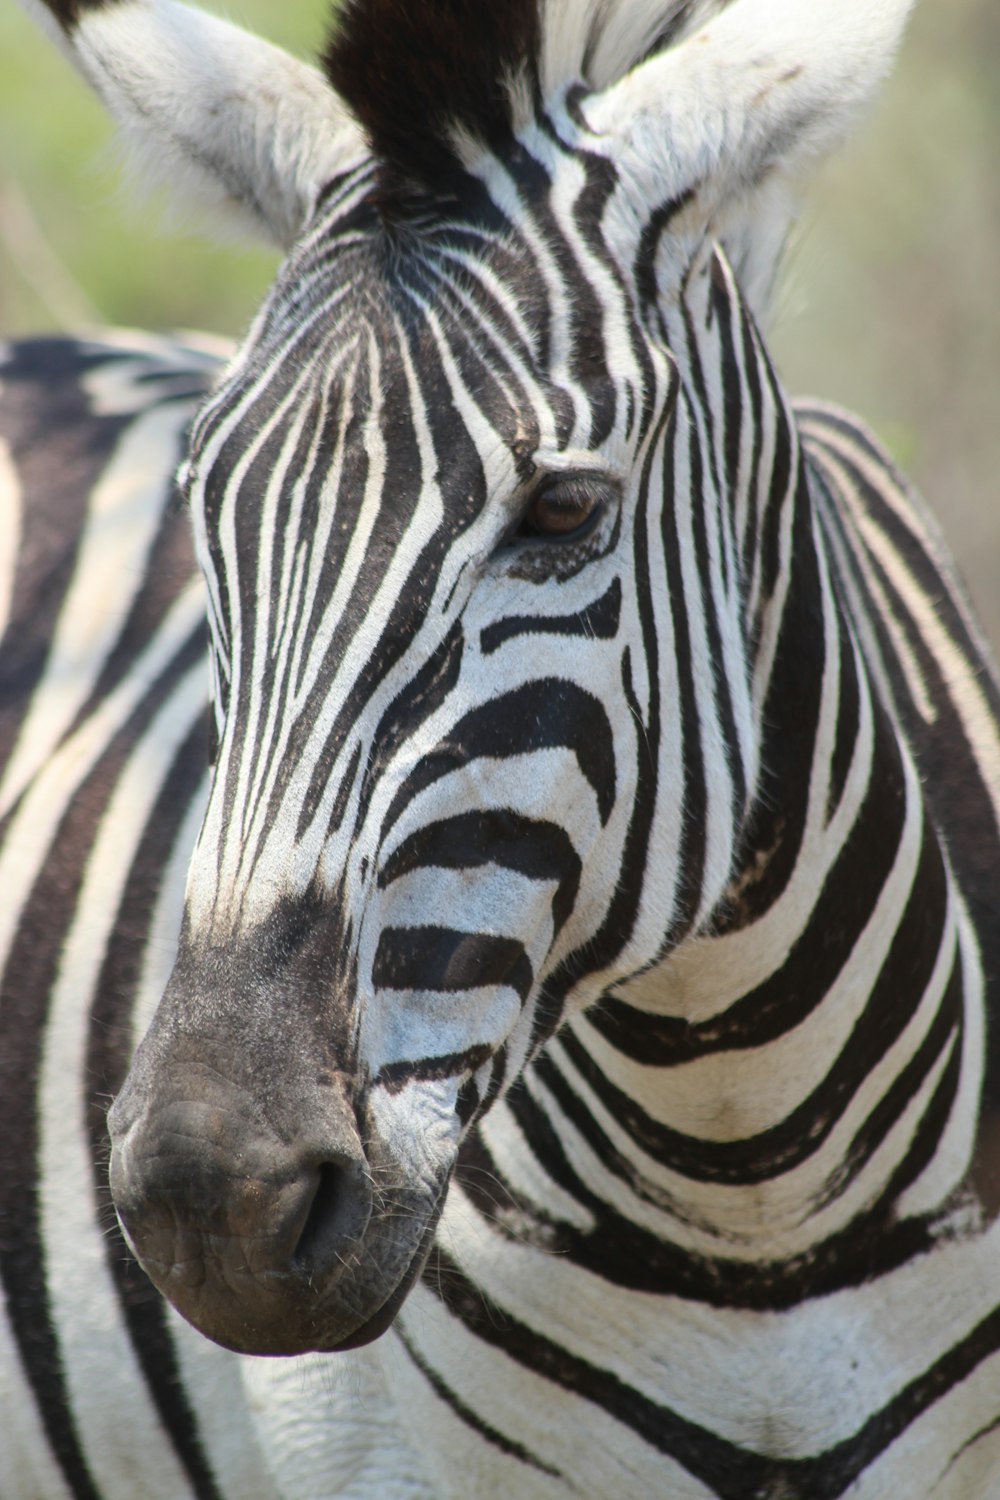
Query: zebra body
[{"x": 573, "y": 1053}]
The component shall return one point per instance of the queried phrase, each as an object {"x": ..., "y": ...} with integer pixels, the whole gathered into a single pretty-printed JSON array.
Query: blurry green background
[{"x": 891, "y": 299}]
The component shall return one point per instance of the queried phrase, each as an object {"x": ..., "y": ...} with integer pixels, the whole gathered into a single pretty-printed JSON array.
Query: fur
[
  {"x": 410, "y": 72},
  {"x": 228, "y": 122},
  {"x": 418, "y": 77},
  {"x": 718, "y": 102},
  {"x": 724, "y": 98},
  {"x": 69, "y": 13}
]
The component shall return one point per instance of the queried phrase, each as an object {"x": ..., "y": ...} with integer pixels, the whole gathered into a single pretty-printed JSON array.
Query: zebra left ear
[
  {"x": 719, "y": 121},
  {"x": 225, "y": 119}
]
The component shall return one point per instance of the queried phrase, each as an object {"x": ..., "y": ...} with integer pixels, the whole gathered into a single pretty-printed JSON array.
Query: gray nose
[{"x": 247, "y": 1231}]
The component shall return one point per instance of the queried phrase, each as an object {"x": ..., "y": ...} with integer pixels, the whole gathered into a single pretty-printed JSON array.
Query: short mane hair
[{"x": 413, "y": 72}]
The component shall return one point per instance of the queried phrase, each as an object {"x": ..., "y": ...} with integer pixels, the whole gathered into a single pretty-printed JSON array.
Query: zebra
[{"x": 532, "y": 789}]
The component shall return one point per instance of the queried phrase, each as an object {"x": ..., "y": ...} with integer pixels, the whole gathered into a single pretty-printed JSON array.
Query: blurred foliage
[
  {"x": 890, "y": 303},
  {"x": 78, "y": 243}
]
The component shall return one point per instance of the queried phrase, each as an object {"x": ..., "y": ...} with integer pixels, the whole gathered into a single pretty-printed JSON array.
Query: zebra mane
[{"x": 420, "y": 74}]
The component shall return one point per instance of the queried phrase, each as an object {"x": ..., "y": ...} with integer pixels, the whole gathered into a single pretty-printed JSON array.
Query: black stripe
[
  {"x": 541, "y": 851},
  {"x": 547, "y": 713},
  {"x": 755, "y": 421},
  {"x": 598, "y": 621},
  {"x": 439, "y": 958},
  {"x": 848, "y": 717},
  {"x": 703, "y": 412},
  {"x": 703, "y": 516},
  {"x": 691, "y": 853},
  {"x": 733, "y": 364},
  {"x": 426, "y": 691},
  {"x": 788, "y": 471},
  {"x": 395, "y": 1076},
  {"x": 657, "y": 223},
  {"x": 465, "y": 1413},
  {"x": 790, "y": 718}
]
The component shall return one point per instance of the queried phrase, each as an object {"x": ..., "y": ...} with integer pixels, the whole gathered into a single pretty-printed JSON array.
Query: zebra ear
[
  {"x": 720, "y": 121},
  {"x": 226, "y": 120}
]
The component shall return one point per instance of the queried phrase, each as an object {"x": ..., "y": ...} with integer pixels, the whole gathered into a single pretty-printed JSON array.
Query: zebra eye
[{"x": 563, "y": 508}]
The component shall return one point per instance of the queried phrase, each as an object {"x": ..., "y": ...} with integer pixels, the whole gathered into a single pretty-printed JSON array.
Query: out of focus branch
[{"x": 29, "y": 251}]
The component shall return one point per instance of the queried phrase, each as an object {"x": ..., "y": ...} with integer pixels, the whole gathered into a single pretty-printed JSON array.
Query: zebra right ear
[
  {"x": 718, "y": 122},
  {"x": 225, "y": 119}
]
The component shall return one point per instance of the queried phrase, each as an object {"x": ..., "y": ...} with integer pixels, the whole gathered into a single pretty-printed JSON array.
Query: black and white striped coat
[{"x": 579, "y": 955}]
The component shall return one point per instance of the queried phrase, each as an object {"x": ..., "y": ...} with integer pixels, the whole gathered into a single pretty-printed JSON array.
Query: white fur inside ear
[
  {"x": 598, "y": 41},
  {"x": 763, "y": 84},
  {"x": 226, "y": 120}
]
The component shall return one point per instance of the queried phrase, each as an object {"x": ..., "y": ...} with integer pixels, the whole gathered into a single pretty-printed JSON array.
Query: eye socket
[{"x": 564, "y": 508}]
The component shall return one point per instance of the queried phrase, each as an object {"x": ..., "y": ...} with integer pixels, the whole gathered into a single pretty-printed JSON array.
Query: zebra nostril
[{"x": 337, "y": 1218}]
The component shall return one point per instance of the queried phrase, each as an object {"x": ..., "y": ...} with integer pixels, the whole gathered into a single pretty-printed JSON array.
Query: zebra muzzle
[{"x": 260, "y": 1239}]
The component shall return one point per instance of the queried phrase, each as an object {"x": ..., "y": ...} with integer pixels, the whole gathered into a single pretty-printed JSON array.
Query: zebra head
[{"x": 482, "y": 523}]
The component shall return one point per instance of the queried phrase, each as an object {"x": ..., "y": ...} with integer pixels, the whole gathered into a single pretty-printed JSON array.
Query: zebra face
[{"x": 422, "y": 498}]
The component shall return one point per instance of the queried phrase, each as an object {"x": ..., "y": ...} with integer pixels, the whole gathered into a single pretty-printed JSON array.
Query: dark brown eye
[{"x": 563, "y": 508}]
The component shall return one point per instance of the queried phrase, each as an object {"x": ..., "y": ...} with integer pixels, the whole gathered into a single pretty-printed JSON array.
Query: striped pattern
[
  {"x": 102, "y": 773},
  {"x": 642, "y": 882}
]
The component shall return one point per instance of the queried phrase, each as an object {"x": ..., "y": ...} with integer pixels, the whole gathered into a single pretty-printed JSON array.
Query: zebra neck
[
  {"x": 809, "y": 1066},
  {"x": 759, "y": 1093}
]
